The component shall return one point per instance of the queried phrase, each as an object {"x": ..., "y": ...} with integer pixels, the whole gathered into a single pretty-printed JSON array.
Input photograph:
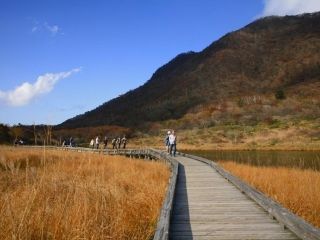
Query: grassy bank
[
  {"x": 277, "y": 135},
  {"x": 65, "y": 195},
  {"x": 295, "y": 189}
]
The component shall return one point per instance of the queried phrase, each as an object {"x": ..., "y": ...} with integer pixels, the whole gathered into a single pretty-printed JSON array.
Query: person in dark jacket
[{"x": 105, "y": 142}]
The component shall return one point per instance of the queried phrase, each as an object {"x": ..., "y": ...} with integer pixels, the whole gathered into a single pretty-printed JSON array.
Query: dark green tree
[
  {"x": 4, "y": 134},
  {"x": 280, "y": 95}
]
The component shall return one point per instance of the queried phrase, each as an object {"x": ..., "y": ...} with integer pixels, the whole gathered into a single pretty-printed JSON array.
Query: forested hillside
[{"x": 273, "y": 55}]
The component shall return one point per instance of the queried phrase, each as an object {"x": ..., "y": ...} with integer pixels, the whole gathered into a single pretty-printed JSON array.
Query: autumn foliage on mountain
[{"x": 270, "y": 55}]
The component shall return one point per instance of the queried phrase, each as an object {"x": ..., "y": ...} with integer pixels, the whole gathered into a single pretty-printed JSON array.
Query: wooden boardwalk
[
  {"x": 203, "y": 201},
  {"x": 207, "y": 206}
]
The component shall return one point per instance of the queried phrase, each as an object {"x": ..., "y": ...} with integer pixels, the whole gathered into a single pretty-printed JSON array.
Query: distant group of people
[
  {"x": 171, "y": 143},
  {"x": 116, "y": 143},
  {"x": 18, "y": 142},
  {"x": 68, "y": 143}
]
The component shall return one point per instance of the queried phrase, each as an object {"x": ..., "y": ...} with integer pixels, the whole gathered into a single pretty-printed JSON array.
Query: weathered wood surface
[
  {"x": 207, "y": 206},
  {"x": 287, "y": 219}
]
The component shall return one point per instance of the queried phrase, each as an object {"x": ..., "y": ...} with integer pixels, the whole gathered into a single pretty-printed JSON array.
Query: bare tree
[
  {"x": 47, "y": 134},
  {"x": 35, "y": 134}
]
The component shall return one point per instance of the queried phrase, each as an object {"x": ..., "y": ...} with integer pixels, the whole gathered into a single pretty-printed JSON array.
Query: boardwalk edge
[{"x": 286, "y": 218}]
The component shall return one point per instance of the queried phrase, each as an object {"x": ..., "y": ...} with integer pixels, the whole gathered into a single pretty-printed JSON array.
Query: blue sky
[{"x": 62, "y": 58}]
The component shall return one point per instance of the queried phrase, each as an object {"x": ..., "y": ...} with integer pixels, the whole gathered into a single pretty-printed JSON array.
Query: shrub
[{"x": 280, "y": 95}]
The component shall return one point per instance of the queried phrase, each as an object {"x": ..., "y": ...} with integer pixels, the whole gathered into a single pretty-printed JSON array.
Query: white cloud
[
  {"x": 34, "y": 29},
  {"x": 290, "y": 7},
  {"x": 24, "y": 93},
  {"x": 54, "y": 29},
  {"x": 45, "y": 27}
]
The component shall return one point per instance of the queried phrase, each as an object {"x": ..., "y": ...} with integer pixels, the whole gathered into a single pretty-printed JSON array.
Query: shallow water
[{"x": 294, "y": 159}]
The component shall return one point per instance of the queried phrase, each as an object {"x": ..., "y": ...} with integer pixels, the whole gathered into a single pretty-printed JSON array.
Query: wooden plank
[
  {"x": 296, "y": 224},
  {"x": 230, "y": 227},
  {"x": 231, "y": 236},
  {"x": 250, "y": 219},
  {"x": 207, "y": 204}
]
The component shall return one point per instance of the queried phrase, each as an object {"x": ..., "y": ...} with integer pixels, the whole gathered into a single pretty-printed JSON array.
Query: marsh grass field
[
  {"x": 294, "y": 188},
  {"x": 52, "y": 194}
]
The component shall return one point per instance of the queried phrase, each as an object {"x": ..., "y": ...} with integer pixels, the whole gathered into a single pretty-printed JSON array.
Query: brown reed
[
  {"x": 52, "y": 194},
  {"x": 295, "y": 189}
]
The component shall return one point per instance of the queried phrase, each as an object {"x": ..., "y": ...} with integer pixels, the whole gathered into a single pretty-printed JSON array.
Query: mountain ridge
[{"x": 266, "y": 55}]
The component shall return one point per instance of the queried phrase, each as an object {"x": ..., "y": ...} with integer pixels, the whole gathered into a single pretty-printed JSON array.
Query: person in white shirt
[
  {"x": 173, "y": 143},
  {"x": 166, "y": 142},
  {"x": 97, "y": 142},
  {"x": 92, "y": 143},
  {"x": 124, "y": 141}
]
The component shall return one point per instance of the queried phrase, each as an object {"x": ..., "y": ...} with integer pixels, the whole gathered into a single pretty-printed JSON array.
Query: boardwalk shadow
[{"x": 180, "y": 227}]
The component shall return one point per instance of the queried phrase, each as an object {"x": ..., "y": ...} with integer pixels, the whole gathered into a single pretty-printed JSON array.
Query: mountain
[{"x": 269, "y": 55}]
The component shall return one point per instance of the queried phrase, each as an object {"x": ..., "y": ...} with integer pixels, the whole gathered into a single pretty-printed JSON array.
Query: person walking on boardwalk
[
  {"x": 113, "y": 142},
  {"x": 173, "y": 143},
  {"x": 166, "y": 142},
  {"x": 71, "y": 142},
  {"x": 97, "y": 142},
  {"x": 124, "y": 141},
  {"x": 118, "y": 142},
  {"x": 105, "y": 142},
  {"x": 91, "y": 144}
]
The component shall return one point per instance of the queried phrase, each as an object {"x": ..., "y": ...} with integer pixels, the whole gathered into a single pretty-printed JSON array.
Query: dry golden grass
[
  {"x": 295, "y": 189},
  {"x": 262, "y": 137},
  {"x": 50, "y": 194}
]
